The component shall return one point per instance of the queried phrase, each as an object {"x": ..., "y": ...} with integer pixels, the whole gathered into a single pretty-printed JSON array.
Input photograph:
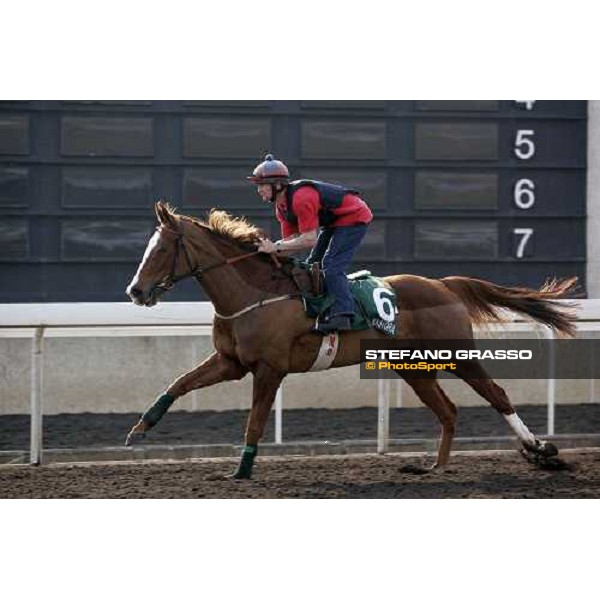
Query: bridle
[{"x": 169, "y": 280}]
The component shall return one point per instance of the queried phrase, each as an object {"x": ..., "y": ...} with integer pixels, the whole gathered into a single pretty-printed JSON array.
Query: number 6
[
  {"x": 524, "y": 194},
  {"x": 383, "y": 301}
]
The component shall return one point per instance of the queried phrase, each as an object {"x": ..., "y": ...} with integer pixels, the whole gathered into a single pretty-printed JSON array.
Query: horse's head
[
  {"x": 164, "y": 262},
  {"x": 183, "y": 246}
]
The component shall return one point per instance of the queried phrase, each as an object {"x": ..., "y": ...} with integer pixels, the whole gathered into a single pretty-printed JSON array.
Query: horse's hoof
[
  {"x": 544, "y": 462},
  {"x": 529, "y": 455},
  {"x": 549, "y": 450},
  {"x": 134, "y": 438},
  {"x": 542, "y": 449},
  {"x": 437, "y": 468}
]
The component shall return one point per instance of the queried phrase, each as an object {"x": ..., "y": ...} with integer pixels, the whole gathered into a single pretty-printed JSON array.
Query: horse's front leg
[
  {"x": 266, "y": 382},
  {"x": 214, "y": 369}
]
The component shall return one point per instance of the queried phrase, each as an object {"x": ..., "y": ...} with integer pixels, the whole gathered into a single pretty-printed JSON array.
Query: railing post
[
  {"x": 383, "y": 414},
  {"x": 551, "y": 391},
  {"x": 37, "y": 368},
  {"x": 278, "y": 416}
]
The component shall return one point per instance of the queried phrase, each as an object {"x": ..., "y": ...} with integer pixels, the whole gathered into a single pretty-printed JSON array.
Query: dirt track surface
[{"x": 471, "y": 475}]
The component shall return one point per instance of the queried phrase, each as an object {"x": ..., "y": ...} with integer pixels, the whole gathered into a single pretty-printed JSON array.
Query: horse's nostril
[{"x": 135, "y": 292}]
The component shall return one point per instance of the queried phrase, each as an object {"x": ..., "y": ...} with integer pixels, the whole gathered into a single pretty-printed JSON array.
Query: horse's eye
[{"x": 161, "y": 250}]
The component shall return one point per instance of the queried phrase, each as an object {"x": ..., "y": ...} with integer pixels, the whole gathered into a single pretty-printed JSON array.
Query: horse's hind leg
[
  {"x": 474, "y": 374},
  {"x": 431, "y": 394}
]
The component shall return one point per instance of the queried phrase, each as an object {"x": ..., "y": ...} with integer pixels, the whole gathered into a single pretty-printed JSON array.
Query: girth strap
[{"x": 258, "y": 304}]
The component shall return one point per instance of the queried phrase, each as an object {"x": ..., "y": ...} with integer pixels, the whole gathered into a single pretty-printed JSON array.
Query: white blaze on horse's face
[{"x": 153, "y": 268}]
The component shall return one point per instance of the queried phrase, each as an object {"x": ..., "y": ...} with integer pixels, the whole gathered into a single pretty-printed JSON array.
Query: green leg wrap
[
  {"x": 155, "y": 413},
  {"x": 244, "y": 470}
]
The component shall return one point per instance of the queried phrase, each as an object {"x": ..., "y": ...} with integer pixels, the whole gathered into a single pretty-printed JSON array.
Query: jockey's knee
[{"x": 333, "y": 272}]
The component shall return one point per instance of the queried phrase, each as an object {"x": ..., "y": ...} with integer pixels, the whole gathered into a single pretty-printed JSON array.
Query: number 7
[{"x": 526, "y": 232}]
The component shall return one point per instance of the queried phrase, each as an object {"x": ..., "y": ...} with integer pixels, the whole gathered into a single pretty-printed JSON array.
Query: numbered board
[
  {"x": 499, "y": 190},
  {"x": 494, "y": 189}
]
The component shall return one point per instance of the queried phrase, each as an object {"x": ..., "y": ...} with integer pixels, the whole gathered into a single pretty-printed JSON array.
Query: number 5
[
  {"x": 524, "y": 147},
  {"x": 526, "y": 232}
]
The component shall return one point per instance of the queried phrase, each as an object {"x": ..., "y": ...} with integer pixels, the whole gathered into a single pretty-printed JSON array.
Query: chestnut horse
[{"x": 261, "y": 326}]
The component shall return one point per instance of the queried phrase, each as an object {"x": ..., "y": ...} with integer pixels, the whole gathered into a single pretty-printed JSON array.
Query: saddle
[{"x": 375, "y": 299}]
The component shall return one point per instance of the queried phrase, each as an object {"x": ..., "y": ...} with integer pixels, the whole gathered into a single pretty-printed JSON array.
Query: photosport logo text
[
  {"x": 508, "y": 358},
  {"x": 434, "y": 360}
]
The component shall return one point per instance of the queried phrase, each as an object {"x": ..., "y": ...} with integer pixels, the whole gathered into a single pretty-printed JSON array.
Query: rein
[{"x": 170, "y": 280}]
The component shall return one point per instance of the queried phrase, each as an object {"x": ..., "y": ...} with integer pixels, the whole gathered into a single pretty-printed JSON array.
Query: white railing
[{"x": 40, "y": 321}]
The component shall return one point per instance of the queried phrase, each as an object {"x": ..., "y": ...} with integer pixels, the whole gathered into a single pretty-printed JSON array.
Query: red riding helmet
[{"x": 270, "y": 171}]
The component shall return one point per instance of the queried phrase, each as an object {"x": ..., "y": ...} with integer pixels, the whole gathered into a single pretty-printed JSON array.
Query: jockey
[{"x": 329, "y": 219}]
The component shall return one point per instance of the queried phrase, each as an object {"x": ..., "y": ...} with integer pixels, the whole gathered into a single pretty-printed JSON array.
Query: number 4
[
  {"x": 526, "y": 232},
  {"x": 529, "y": 104}
]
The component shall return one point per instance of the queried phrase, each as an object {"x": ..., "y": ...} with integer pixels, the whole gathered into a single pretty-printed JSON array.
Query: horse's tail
[{"x": 483, "y": 299}]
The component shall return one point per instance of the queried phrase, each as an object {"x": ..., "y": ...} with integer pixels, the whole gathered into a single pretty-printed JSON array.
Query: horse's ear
[
  {"x": 159, "y": 209},
  {"x": 164, "y": 215}
]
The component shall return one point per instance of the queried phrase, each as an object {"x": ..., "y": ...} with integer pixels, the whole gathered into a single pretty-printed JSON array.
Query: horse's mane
[{"x": 237, "y": 230}]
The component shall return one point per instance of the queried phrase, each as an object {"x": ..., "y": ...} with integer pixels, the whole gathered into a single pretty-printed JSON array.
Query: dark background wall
[{"x": 492, "y": 189}]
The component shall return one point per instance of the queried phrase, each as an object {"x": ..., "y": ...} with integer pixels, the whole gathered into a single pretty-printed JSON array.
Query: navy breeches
[{"x": 335, "y": 250}]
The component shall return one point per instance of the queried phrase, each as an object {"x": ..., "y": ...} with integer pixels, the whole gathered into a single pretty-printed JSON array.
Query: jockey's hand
[{"x": 267, "y": 246}]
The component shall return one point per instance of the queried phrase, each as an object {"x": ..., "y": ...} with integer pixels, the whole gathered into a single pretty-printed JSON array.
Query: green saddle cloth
[{"x": 375, "y": 299}]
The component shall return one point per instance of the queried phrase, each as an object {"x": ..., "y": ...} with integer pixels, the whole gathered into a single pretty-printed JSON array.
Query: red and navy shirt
[{"x": 306, "y": 203}]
